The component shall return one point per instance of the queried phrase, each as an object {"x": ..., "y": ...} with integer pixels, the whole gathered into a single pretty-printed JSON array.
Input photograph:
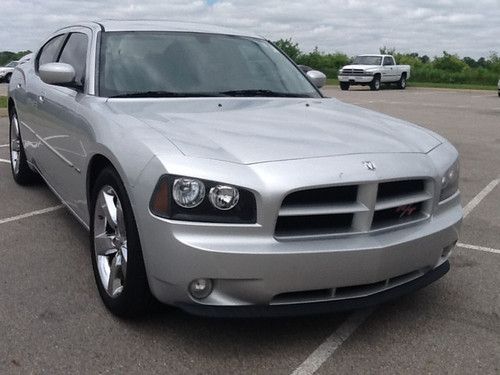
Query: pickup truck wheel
[
  {"x": 344, "y": 86},
  {"x": 375, "y": 84},
  {"x": 116, "y": 251},
  {"x": 402, "y": 82}
]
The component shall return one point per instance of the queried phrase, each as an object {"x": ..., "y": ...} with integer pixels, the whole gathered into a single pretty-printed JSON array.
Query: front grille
[
  {"x": 353, "y": 72},
  {"x": 350, "y": 209}
]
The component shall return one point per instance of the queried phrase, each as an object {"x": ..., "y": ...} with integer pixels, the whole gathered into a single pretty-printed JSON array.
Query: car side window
[
  {"x": 50, "y": 51},
  {"x": 388, "y": 60},
  {"x": 74, "y": 53}
]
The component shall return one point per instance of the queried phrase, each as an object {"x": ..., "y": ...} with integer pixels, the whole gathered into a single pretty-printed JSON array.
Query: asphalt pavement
[{"x": 52, "y": 320}]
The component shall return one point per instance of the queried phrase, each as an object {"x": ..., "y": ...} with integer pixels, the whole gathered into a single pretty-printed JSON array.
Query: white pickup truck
[{"x": 373, "y": 70}]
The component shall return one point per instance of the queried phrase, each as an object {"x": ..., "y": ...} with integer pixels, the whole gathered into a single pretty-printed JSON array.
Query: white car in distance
[
  {"x": 6, "y": 71},
  {"x": 373, "y": 70}
]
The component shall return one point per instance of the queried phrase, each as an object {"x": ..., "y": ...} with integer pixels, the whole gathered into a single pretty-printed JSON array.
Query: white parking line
[
  {"x": 7, "y": 145},
  {"x": 479, "y": 248},
  {"x": 4, "y": 161},
  {"x": 30, "y": 214},
  {"x": 349, "y": 326},
  {"x": 332, "y": 343},
  {"x": 478, "y": 198}
]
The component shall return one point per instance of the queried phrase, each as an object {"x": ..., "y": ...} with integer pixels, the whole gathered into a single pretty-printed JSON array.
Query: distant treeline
[
  {"x": 7, "y": 56},
  {"x": 447, "y": 68}
]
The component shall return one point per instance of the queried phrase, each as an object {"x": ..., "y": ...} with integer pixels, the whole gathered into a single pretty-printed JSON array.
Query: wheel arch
[
  {"x": 96, "y": 164},
  {"x": 10, "y": 106}
]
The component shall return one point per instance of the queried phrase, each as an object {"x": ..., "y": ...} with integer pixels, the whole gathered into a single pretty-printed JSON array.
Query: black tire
[
  {"x": 402, "y": 82},
  {"x": 135, "y": 298},
  {"x": 21, "y": 171},
  {"x": 375, "y": 83},
  {"x": 344, "y": 86},
  {"x": 7, "y": 77}
]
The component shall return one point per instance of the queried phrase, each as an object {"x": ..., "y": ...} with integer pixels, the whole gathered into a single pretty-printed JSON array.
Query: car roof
[{"x": 164, "y": 25}]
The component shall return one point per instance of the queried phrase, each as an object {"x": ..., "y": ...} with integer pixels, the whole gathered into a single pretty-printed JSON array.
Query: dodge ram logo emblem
[{"x": 369, "y": 165}]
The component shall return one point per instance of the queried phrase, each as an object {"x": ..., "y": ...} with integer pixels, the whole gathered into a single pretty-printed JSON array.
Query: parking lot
[{"x": 52, "y": 320}]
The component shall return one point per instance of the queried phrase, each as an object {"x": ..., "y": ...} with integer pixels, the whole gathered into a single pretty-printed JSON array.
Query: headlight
[
  {"x": 224, "y": 197},
  {"x": 184, "y": 198},
  {"x": 188, "y": 192},
  {"x": 449, "y": 181}
]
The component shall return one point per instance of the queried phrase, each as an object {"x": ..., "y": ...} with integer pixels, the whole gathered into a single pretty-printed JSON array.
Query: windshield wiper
[
  {"x": 266, "y": 93},
  {"x": 164, "y": 94}
]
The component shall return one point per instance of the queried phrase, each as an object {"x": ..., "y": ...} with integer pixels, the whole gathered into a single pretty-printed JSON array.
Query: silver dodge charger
[{"x": 213, "y": 175}]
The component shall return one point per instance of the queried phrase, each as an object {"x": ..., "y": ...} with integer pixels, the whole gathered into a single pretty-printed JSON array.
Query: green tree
[
  {"x": 290, "y": 47},
  {"x": 449, "y": 63},
  {"x": 387, "y": 50},
  {"x": 8, "y": 56}
]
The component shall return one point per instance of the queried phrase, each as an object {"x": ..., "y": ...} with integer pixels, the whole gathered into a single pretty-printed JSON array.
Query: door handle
[{"x": 41, "y": 98}]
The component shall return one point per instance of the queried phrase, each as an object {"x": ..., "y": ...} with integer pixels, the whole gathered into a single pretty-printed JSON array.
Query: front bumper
[
  {"x": 355, "y": 79},
  {"x": 319, "y": 307},
  {"x": 251, "y": 268}
]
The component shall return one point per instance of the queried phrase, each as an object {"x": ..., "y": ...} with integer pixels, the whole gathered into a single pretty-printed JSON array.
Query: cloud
[{"x": 469, "y": 28}]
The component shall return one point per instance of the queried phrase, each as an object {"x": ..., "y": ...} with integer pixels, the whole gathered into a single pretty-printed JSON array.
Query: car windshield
[
  {"x": 12, "y": 64},
  {"x": 367, "y": 60},
  {"x": 174, "y": 64}
]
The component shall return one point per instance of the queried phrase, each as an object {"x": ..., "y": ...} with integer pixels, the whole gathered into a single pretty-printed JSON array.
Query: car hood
[
  {"x": 256, "y": 130},
  {"x": 364, "y": 67}
]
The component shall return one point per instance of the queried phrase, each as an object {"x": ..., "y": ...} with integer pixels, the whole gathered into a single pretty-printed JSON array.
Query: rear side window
[
  {"x": 50, "y": 50},
  {"x": 388, "y": 60},
  {"x": 74, "y": 53}
]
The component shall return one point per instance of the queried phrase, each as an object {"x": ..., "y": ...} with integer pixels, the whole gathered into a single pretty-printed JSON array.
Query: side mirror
[
  {"x": 316, "y": 77},
  {"x": 57, "y": 74}
]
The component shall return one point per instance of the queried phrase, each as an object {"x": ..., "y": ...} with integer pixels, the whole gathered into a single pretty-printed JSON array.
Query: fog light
[
  {"x": 447, "y": 250},
  {"x": 201, "y": 288}
]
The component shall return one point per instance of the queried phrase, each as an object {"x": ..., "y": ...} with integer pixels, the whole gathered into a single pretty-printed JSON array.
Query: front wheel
[
  {"x": 116, "y": 251},
  {"x": 344, "y": 86},
  {"x": 375, "y": 84}
]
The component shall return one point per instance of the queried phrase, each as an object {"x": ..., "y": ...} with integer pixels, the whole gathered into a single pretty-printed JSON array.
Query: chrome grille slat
[
  {"x": 402, "y": 200},
  {"x": 318, "y": 209},
  {"x": 354, "y": 209}
]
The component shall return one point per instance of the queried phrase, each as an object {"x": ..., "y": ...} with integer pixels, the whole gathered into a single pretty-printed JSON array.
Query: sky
[{"x": 468, "y": 28}]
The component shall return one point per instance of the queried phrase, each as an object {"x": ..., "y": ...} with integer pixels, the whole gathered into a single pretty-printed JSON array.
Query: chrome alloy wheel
[
  {"x": 15, "y": 144},
  {"x": 110, "y": 241}
]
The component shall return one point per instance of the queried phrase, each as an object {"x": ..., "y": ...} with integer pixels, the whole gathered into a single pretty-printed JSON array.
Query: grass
[
  {"x": 3, "y": 102},
  {"x": 459, "y": 86},
  {"x": 462, "y": 86}
]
